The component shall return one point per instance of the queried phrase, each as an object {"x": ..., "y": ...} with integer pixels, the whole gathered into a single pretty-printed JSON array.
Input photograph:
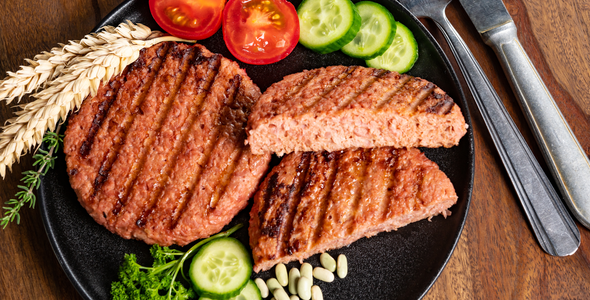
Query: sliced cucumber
[
  {"x": 250, "y": 292},
  {"x": 402, "y": 53},
  {"x": 376, "y": 32},
  {"x": 327, "y": 25},
  {"x": 221, "y": 269}
]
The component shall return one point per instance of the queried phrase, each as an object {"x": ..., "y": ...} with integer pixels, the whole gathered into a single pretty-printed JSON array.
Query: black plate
[{"x": 395, "y": 265}]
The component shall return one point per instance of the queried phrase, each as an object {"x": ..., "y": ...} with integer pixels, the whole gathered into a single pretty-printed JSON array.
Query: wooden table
[{"x": 497, "y": 256}]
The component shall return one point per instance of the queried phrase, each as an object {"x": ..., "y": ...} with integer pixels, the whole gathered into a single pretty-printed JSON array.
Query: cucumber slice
[
  {"x": 402, "y": 53},
  {"x": 250, "y": 292},
  {"x": 327, "y": 25},
  {"x": 376, "y": 32},
  {"x": 221, "y": 269}
]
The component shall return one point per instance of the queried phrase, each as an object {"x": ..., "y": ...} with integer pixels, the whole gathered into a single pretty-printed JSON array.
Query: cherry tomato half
[
  {"x": 260, "y": 32},
  {"x": 188, "y": 19}
]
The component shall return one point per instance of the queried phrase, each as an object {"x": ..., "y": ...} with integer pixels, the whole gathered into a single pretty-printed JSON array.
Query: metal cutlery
[
  {"x": 564, "y": 155},
  {"x": 555, "y": 230}
]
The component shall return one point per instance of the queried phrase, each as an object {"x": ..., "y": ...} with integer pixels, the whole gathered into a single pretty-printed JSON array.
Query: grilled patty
[
  {"x": 316, "y": 201},
  {"x": 158, "y": 154},
  {"x": 341, "y": 107}
]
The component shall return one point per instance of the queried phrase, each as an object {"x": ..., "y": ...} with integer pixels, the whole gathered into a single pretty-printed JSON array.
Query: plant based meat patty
[
  {"x": 341, "y": 107},
  {"x": 313, "y": 202},
  {"x": 159, "y": 154}
]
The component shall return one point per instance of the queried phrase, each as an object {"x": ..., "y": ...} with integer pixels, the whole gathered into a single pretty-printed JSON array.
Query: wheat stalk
[{"x": 66, "y": 76}]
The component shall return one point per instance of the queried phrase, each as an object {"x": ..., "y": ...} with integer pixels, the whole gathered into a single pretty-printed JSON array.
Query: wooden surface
[{"x": 497, "y": 256}]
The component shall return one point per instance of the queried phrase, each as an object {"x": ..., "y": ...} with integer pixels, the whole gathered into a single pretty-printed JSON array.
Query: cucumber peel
[
  {"x": 221, "y": 269},
  {"x": 327, "y": 25},
  {"x": 250, "y": 292},
  {"x": 376, "y": 33},
  {"x": 402, "y": 53}
]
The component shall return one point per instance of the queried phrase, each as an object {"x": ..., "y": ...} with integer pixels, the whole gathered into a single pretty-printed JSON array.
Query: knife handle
[
  {"x": 562, "y": 151},
  {"x": 555, "y": 230}
]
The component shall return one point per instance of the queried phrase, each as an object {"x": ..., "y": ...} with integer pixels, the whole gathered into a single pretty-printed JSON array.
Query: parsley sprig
[
  {"x": 158, "y": 282},
  {"x": 44, "y": 160}
]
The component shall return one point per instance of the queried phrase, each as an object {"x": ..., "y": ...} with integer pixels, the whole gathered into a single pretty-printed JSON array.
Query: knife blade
[
  {"x": 486, "y": 15},
  {"x": 566, "y": 159}
]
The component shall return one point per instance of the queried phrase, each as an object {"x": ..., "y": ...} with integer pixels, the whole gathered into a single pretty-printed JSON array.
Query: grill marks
[
  {"x": 393, "y": 80},
  {"x": 168, "y": 142},
  {"x": 144, "y": 129},
  {"x": 321, "y": 87},
  {"x": 342, "y": 197},
  {"x": 438, "y": 102},
  {"x": 292, "y": 203},
  {"x": 347, "y": 107},
  {"x": 312, "y": 206},
  {"x": 376, "y": 188},
  {"x": 339, "y": 87},
  {"x": 402, "y": 169},
  {"x": 221, "y": 160},
  {"x": 355, "y": 83},
  {"x": 222, "y": 154},
  {"x": 233, "y": 118},
  {"x": 115, "y": 127},
  {"x": 106, "y": 99},
  {"x": 175, "y": 139},
  {"x": 194, "y": 156},
  {"x": 280, "y": 199},
  {"x": 409, "y": 95}
]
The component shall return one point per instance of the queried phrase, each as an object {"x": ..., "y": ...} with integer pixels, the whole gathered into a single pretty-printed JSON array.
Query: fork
[{"x": 553, "y": 226}]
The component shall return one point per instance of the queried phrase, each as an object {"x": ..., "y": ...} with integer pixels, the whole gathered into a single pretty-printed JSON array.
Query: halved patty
[
  {"x": 316, "y": 201},
  {"x": 158, "y": 155},
  {"x": 341, "y": 107}
]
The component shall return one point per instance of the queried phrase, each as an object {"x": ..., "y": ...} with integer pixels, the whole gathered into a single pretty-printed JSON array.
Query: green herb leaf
[
  {"x": 158, "y": 282},
  {"x": 44, "y": 160}
]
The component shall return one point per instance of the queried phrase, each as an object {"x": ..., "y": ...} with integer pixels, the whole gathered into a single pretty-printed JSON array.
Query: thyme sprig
[{"x": 43, "y": 160}]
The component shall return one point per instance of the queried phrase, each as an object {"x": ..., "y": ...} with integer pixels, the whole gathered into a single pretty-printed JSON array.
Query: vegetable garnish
[
  {"x": 221, "y": 269},
  {"x": 158, "y": 281},
  {"x": 260, "y": 32},
  {"x": 188, "y": 19},
  {"x": 59, "y": 81},
  {"x": 63, "y": 78},
  {"x": 250, "y": 292},
  {"x": 376, "y": 33},
  {"x": 326, "y": 26},
  {"x": 401, "y": 54},
  {"x": 44, "y": 160}
]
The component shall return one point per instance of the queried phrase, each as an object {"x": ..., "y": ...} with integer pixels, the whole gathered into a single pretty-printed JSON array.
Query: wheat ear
[{"x": 65, "y": 77}]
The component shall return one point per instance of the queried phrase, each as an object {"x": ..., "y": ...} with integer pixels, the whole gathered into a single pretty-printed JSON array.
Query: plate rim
[{"x": 112, "y": 15}]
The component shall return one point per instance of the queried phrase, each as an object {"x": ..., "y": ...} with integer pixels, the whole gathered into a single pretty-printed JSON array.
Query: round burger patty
[{"x": 159, "y": 154}]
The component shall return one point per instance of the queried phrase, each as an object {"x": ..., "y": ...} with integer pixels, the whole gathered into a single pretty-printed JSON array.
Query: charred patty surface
[
  {"x": 340, "y": 107},
  {"x": 316, "y": 201},
  {"x": 158, "y": 154}
]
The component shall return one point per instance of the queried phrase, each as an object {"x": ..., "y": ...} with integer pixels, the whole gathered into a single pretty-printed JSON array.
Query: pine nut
[
  {"x": 328, "y": 262},
  {"x": 316, "y": 293},
  {"x": 323, "y": 274},
  {"x": 262, "y": 287},
  {"x": 342, "y": 269},
  {"x": 281, "y": 272},
  {"x": 293, "y": 277},
  {"x": 294, "y": 297},
  {"x": 304, "y": 288}
]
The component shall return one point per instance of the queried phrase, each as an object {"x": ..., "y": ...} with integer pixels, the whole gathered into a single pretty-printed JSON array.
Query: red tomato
[
  {"x": 188, "y": 19},
  {"x": 260, "y": 32}
]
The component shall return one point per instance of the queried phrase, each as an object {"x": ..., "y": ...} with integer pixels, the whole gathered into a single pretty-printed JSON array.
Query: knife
[
  {"x": 565, "y": 157},
  {"x": 552, "y": 224}
]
